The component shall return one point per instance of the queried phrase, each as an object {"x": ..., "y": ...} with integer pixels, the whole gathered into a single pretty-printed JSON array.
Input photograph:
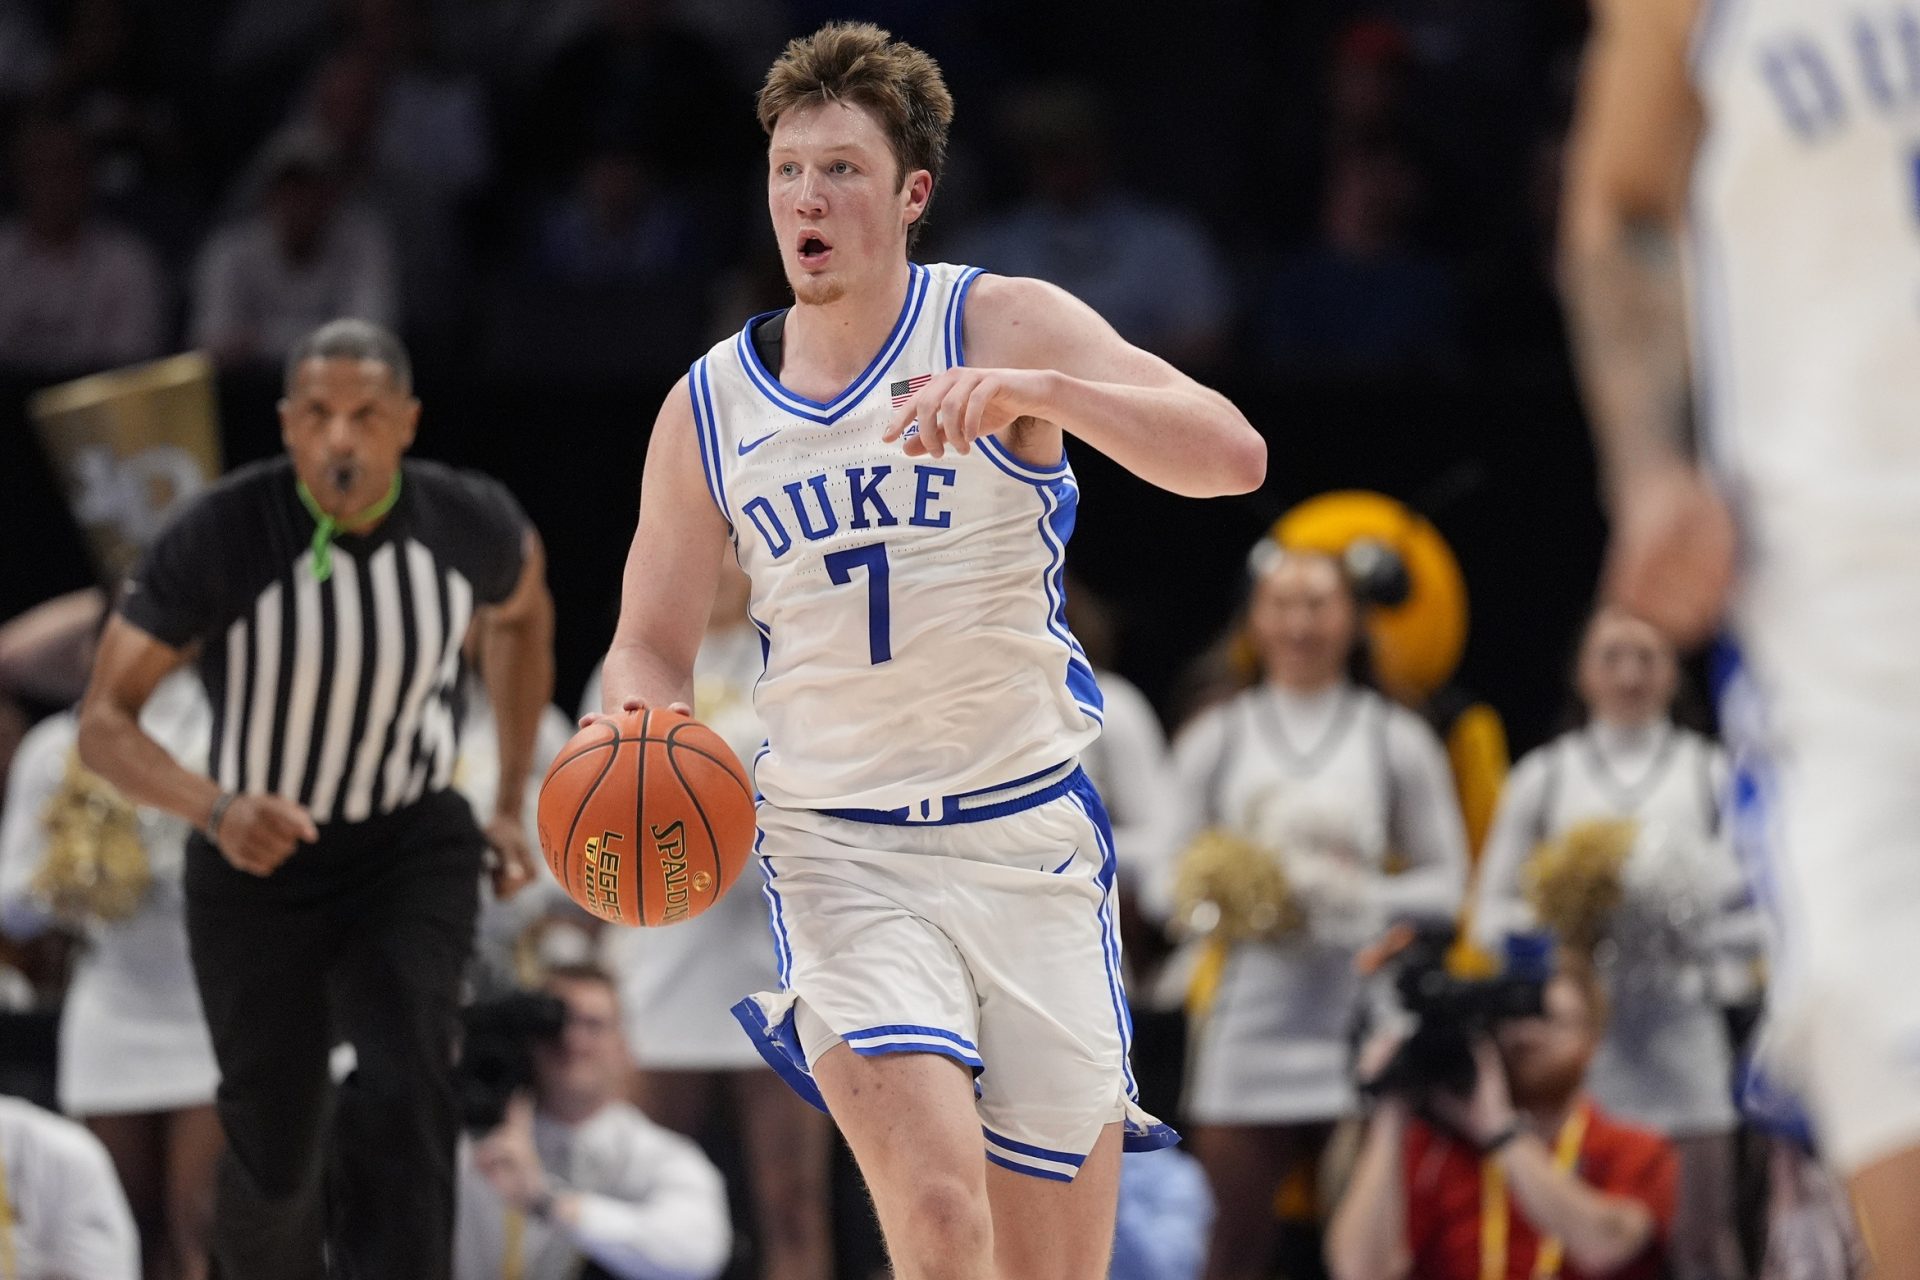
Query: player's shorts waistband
[{"x": 975, "y": 806}]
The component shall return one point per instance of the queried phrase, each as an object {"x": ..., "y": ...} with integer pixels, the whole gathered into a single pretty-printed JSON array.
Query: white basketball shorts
[
  {"x": 985, "y": 933},
  {"x": 1825, "y": 726}
]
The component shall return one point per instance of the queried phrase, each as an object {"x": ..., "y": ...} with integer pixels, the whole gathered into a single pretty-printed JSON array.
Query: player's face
[
  {"x": 346, "y": 425},
  {"x": 1628, "y": 671},
  {"x": 840, "y": 209},
  {"x": 1302, "y": 621},
  {"x": 589, "y": 1064}
]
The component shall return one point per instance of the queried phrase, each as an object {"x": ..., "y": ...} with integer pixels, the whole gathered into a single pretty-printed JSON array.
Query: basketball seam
[
  {"x": 566, "y": 862},
  {"x": 713, "y": 845},
  {"x": 569, "y": 759},
  {"x": 700, "y": 751},
  {"x": 640, "y": 823}
]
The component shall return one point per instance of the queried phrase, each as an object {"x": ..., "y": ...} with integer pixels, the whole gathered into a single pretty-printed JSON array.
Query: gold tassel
[
  {"x": 1574, "y": 882},
  {"x": 1231, "y": 889},
  {"x": 96, "y": 865}
]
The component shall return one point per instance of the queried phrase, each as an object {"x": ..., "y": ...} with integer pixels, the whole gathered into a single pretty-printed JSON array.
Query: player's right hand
[
  {"x": 258, "y": 833},
  {"x": 1671, "y": 558},
  {"x": 632, "y": 704}
]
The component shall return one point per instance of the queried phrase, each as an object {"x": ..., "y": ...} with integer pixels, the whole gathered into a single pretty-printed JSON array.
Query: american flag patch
[{"x": 903, "y": 391}]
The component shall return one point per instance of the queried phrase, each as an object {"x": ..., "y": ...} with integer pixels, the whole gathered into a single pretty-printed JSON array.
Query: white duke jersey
[
  {"x": 1806, "y": 251},
  {"x": 911, "y": 610}
]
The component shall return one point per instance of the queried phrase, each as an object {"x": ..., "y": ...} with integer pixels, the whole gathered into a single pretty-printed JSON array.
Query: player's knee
[{"x": 946, "y": 1220}]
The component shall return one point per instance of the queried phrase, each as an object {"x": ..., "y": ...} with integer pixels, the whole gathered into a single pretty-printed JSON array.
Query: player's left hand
[
  {"x": 1671, "y": 557},
  {"x": 512, "y": 866},
  {"x": 957, "y": 407},
  {"x": 506, "y": 1158}
]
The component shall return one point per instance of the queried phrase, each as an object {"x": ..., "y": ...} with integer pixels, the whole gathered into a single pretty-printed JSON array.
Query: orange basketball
[{"x": 646, "y": 819}]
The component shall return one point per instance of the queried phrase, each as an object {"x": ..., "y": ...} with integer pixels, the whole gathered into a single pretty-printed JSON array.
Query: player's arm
[
  {"x": 1636, "y": 130},
  {"x": 1035, "y": 352},
  {"x": 255, "y": 832},
  {"x": 673, "y": 569},
  {"x": 1631, "y": 152}
]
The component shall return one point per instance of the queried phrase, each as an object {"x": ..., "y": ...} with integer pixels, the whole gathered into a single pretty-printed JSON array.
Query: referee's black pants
[{"x": 361, "y": 937}]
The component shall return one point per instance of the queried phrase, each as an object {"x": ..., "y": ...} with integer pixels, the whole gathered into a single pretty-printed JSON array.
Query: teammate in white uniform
[
  {"x": 1665, "y": 1062},
  {"x": 939, "y": 871},
  {"x": 678, "y": 987},
  {"x": 1792, "y": 126},
  {"x": 136, "y": 1062},
  {"x": 1336, "y": 779}
]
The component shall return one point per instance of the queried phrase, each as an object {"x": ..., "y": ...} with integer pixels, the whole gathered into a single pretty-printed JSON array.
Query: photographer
[
  {"x": 1526, "y": 1177},
  {"x": 576, "y": 1175}
]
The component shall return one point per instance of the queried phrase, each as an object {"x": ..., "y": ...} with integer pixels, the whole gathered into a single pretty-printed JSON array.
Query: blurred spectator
[
  {"x": 636, "y": 79},
  {"x": 578, "y": 1174},
  {"x": 303, "y": 259},
  {"x": 1528, "y": 1176},
  {"x": 1367, "y": 84},
  {"x": 65, "y": 1216},
  {"x": 135, "y": 1060},
  {"x": 26, "y": 59},
  {"x": 617, "y": 226},
  {"x": 81, "y": 294},
  {"x": 1365, "y": 299},
  {"x": 1150, "y": 270},
  {"x": 1352, "y": 795},
  {"x": 411, "y": 143},
  {"x": 1165, "y": 1211}
]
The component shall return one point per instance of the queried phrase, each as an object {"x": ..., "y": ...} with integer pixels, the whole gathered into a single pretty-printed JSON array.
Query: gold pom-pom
[
  {"x": 96, "y": 865},
  {"x": 1574, "y": 882},
  {"x": 1232, "y": 889}
]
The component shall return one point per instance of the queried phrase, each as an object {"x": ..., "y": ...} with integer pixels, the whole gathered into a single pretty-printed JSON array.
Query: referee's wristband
[
  {"x": 218, "y": 812},
  {"x": 1499, "y": 1141}
]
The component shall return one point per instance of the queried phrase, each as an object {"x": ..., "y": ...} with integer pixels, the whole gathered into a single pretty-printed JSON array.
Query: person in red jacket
[{"x": 1525, "y": 1180}]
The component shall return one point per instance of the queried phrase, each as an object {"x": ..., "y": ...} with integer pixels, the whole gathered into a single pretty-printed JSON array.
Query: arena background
[{"x": 1376, "y": 180}]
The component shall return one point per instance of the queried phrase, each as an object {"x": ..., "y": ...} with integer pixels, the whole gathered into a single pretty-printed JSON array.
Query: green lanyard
[{"x": 325, "y": 526}]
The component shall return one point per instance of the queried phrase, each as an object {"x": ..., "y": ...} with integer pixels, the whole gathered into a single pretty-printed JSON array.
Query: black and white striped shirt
[{"x": 340, "y": 695}]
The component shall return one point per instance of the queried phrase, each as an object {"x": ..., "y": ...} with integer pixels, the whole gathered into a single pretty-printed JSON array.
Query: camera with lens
[
  {"x": 1450, "y": 1013},
  {"x": 496, "y": 1054}
]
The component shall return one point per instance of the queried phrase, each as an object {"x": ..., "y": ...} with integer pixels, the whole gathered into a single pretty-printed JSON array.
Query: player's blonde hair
[{"x": 860, "y": 64}]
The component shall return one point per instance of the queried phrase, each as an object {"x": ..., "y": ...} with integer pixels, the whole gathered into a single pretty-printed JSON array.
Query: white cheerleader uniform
[
  {"x": 1341, "y": 775},
  {"x": 1665, "y": 1062},
  {"x": 132, "y": 1035},
  {"x": 678, "y": 985},
  {"x": 939, "y": 870}
]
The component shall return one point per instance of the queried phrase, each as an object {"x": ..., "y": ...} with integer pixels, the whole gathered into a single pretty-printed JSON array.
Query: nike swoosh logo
[{"x": 747, "y": 447}]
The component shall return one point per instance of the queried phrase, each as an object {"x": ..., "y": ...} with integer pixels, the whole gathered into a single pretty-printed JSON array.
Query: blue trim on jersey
[
  {"x": 826, "y": 413},
  {"x": 956, "y": 316},
  {"x": 952, "y": 814},
  {"x": 959, "y": 1048},
  {"x": 776, "y": 916},
  {"x": 780, "y": 1046},
  {"x": 1058, "y": 502},
  {"x": 1709, "y": 25},
  {"x": 1032, "y": 1171},
  {"x": 705, "y": 431},
  {"x": 1028, "y": 1149},
  {"x": 1004, "y": 458}
]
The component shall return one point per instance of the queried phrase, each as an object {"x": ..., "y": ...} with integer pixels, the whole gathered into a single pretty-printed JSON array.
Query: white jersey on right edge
[
  {"x": 911, "y": 609},
  {"x": 1806, "y": 253}
]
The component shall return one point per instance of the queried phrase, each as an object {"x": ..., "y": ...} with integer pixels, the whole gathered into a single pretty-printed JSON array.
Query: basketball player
[
  {"x": 888, "y": 456},
  {"x": 1793, "y": 129}
]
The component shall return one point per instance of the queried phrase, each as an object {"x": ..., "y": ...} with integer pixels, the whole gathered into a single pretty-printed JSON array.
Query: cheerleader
[
  {"x": 678, "y": 985},
  {"x": 1335, "y": 783},
  {"x": 135, "y": 1060},
  {"x": 1665, "y": 1062}
]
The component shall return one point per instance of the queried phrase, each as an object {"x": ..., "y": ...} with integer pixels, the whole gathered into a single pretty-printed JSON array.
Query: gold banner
[{"x": 130, "y": 445}]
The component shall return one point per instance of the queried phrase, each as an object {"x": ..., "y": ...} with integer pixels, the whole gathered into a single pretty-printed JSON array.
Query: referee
[{"x": 332, "y": 888}]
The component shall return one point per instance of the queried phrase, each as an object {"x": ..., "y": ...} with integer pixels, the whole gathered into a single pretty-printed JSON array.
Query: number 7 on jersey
[{"x": 872, "y": 558}]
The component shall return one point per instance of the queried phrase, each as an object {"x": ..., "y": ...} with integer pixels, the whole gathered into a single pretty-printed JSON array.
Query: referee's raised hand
[{"x": 257, "y": 833}]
